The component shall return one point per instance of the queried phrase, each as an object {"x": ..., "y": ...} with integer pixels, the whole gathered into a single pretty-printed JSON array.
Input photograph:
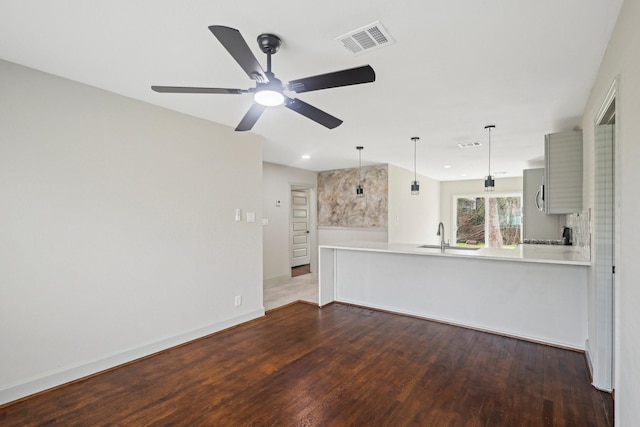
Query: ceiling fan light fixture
[{"x": 268, "y": 97}]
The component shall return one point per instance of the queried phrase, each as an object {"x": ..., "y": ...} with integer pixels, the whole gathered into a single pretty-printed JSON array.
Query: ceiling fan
[{"x": 269, "y": 91}]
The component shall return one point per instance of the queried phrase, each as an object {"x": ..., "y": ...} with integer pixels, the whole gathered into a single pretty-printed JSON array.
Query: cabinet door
[
  {"x": 536, "y": 224},
  {"x": 563, "y": 172}
]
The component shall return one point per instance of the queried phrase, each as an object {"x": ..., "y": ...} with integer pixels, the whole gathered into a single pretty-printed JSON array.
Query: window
[{"x": 492, "y": 222}]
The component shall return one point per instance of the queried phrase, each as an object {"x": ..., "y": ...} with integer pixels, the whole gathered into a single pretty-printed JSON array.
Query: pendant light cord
[
  {"x": 489, "y": 127},
  {"x": 415, "y": 153},
  {"x": 360, "y": 166},
  {"x": 489, "y": 173},
  {"x": 359, "y": 187}
]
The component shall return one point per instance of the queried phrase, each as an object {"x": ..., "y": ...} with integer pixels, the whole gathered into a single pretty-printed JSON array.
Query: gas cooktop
[{"x": 542, "y": 242}]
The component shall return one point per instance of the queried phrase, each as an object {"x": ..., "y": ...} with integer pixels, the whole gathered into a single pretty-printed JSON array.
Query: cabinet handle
[{"x": 538, "y": 194}]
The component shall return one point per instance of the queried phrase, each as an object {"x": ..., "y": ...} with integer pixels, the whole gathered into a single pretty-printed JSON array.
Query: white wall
[
  {"x": 541, "y": 302},
  {"x": 333, "y": 235},
  {"x": 413, "y": 219},
  {"x": 117, "y": 231},
  {"x": 622, "y": 59},
  {"x": 449, "y": 189},
  {"x": 277, "y": 182}
]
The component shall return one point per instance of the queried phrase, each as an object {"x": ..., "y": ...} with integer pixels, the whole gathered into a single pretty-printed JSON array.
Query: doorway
[
  {"x": 299, "y": 253},
  {"x": 303, "y": 224},
  {"x": 299, "y": 230},
  {"x": 605, "y": 219}
]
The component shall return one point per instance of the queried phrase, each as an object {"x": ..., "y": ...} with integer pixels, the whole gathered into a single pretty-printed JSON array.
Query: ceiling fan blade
[
  {"x": 251, "y": 117},
  {"x": 235, "y": 44},
  {"x": 311, "y": 112},
  {"x": 182, "y": 89},
  {"x": 353, "y": 76}
]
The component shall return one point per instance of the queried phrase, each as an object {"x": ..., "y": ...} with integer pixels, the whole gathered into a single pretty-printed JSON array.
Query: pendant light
[
  {"x": 415, "y": 185},
  {"x": 489, "y": 182},
  {"x": 359, "y": 189}
]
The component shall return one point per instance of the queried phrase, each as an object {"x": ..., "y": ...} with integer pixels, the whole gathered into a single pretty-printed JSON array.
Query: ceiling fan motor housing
[{"x": 269, "y": 43}]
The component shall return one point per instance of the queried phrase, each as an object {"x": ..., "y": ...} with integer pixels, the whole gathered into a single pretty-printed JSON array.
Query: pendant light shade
[
  {"x": 415, "y": 185},
  {"x": 489, "y": 181},
  {"x": 359, "y": 189}
]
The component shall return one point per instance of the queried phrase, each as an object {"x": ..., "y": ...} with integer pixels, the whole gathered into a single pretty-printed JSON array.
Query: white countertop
[{"x": 550, "y": 254}]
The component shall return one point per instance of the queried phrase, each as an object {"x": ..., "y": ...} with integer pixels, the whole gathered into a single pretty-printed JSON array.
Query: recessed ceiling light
[
  {"x": 464, "y": 174},
  {"x": 306, "y": 156},
  {"x": 447, "y": 166}
]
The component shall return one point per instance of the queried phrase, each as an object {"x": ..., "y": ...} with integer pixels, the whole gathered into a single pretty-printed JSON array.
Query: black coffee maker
[{"x": 566, "y": 236}]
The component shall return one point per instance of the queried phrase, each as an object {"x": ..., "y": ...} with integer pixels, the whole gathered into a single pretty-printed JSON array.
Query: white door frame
[
  {"x": 313, "y": 223},
  {"x": 300, "y": 228},
  {"x": 601, "y": 351}
]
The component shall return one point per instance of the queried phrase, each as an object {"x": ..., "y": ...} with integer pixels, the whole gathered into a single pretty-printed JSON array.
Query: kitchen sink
[{"x": 460, "y": 248}]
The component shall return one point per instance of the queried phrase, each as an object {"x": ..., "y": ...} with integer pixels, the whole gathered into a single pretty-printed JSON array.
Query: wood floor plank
[{"x": 340, "y": 365}]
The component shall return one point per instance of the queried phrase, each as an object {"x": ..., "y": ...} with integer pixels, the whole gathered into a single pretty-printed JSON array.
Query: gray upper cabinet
[
  {"x": 563, "y": 172},
  {"x": 536, "y": 224}
]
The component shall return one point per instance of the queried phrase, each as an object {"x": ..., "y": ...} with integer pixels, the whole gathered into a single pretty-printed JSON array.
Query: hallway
[{"x": 300, "y": 288}]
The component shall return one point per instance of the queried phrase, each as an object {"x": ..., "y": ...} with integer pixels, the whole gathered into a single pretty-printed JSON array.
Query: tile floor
[{"x": 303, "y": 288}]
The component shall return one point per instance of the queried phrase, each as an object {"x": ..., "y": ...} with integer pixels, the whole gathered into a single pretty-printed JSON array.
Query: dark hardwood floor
[
  {"x": 336, "y": 366},
  {"x": 300, "y": 270}
]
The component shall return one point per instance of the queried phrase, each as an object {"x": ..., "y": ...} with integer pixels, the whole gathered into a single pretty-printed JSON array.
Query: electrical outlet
[{"x": 238, "y": 300}]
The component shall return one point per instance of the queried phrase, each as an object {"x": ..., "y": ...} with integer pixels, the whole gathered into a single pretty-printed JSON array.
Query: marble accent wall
[
  {"x": 338, "y": 205},
  {"x": 580, "y": 224}
]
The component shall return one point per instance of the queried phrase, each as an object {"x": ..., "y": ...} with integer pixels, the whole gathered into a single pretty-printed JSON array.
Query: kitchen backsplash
[{"x": 580, "y": 224}]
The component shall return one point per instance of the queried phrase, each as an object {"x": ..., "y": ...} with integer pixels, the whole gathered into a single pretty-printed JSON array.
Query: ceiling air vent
[
  {"x": 365, "y": 39},
  {"x": 469, "y": 144}
]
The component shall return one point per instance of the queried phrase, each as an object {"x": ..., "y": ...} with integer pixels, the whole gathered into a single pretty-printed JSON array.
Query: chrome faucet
[{"x": 441, "y": 234}]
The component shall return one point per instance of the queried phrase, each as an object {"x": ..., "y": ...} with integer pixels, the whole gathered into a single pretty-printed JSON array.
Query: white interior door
[{"x": 300, "y": 242}]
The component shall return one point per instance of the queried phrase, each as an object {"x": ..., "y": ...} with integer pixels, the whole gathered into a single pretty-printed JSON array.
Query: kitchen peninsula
[{"x": 533, "y": 292}]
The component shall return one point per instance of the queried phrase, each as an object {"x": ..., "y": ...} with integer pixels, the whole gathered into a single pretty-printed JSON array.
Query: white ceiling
[{"x": 456, "y": 66}]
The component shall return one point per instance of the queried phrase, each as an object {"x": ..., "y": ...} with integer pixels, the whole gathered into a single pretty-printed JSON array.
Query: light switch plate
[{"x": 251, "y": 217}]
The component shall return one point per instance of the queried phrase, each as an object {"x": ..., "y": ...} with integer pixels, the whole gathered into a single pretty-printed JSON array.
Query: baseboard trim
[
  {"x": 446, "y": 321},
  {"x": 52, "y": 380},
  {"x": 587, "y": 358}
]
